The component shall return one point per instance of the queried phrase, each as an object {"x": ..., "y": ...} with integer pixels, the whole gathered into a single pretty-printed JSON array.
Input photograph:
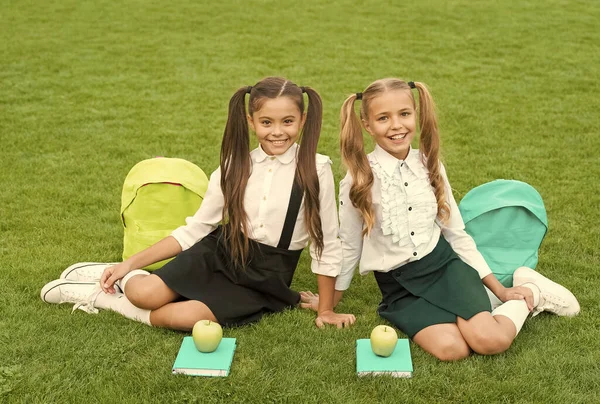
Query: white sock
[
  {"x": 536, "y": 292},
  {"x": 494, "y": 301},
  {"x": 121, "y": 283},
  {"x": 515, "y": 310},
  {"x": 119, "y": 303}
]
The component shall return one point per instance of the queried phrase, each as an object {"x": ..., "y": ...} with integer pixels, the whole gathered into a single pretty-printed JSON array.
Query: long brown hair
[
  {"x": 235, "y": 161},
  {"x": 353, "y": 151}
]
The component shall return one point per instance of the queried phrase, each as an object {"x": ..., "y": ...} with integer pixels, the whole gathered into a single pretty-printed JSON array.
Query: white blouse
[
  {"x": 266, "y": 202},
  {"x": 406, "y": 226}
]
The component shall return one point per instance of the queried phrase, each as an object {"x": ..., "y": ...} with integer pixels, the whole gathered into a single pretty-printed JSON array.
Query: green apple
[
  {"x": 207, "y": 335},
  {"x": 383, "y": 340}
]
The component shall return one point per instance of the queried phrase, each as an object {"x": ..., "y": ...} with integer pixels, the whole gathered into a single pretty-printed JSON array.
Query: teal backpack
[
  {"x": 158, "y": 194},
  {"x": 507, "y": 219}
]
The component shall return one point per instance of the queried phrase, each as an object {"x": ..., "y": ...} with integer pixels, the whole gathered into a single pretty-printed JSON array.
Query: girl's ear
[
  {"x": 250, "y": 122},
  {"x": 303, "y": 120},
  {"x": 365, "y": 123}
]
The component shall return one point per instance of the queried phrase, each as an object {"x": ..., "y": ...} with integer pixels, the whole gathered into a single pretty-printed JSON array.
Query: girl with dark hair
[
  {"x": 399, "y": 219},
  {"x": 235, "y": 258}
]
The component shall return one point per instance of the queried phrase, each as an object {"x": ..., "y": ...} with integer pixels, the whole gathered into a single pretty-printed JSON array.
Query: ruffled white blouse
[{"x": 406, "y": 226}]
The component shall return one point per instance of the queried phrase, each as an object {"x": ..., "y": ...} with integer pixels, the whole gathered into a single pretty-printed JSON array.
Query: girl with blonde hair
[{"x": 399, "y": 218}]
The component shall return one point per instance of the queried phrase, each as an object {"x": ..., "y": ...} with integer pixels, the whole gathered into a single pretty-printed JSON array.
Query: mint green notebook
[
  {"x": 398, "y": 364},
  {"x": 192, "y": 362}
]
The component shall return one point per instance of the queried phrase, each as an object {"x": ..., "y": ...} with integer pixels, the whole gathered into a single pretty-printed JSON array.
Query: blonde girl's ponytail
[
  {"x": 429, "y": 147},
  {"x": 355, "y": 159}
]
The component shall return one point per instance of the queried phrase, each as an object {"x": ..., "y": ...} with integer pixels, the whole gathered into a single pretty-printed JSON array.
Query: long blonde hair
[
  {"x": 235, "y": 162},
  {"x": 355, "y": 158}
]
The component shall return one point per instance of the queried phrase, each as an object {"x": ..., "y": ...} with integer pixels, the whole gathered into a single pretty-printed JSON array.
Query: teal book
[
  {"x": 192, "y": 362},
  {"x": 398, "y": 364}
]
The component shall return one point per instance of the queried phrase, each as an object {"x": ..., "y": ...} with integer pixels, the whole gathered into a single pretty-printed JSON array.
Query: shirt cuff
[
  {"x": 179, "y": 235},
  {"x": 484, "y": 270},
  {"x": 323, "y": 268},
  {"x": 342, "y": 282}
]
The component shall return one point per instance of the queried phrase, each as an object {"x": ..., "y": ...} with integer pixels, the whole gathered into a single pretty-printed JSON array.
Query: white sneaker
[
  {"x": 82, "y": 294},
  {"x": 553, "y": 297},
  {"x": 85, "y": 271}
]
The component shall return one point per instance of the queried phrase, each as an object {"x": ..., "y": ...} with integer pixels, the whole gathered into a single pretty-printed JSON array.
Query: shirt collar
[
  {"x": 386, "y": 160},
  {"x": 389, "y": 162},
  {"x": 413, "y": 159},
  {"x": 259, "y": 155}
]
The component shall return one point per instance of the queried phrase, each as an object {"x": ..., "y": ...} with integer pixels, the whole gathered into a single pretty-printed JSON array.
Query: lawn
[{"x": 89, "y": 88}]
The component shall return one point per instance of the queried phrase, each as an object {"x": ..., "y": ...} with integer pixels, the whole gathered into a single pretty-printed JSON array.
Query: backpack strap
[{"x": 292, "y": 214}]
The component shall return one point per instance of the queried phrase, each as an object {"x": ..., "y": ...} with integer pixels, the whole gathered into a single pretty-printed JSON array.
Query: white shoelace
[
  {"x": 91, "y": 272},
  {"x": 88, "y": 305},
  {"x": 555, "y": 300},
  {"x": 550, "y": 302}
]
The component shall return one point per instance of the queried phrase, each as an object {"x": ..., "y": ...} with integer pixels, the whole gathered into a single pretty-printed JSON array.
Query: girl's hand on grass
[
  {"x": 339, "y": 320},
  {"x": 309, "y": 300},
  {"x": 113, "y": 274},
  {"x": 518, "y": 293}
]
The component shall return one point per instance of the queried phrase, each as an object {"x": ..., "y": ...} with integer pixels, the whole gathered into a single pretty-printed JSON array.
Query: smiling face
[
  {"x": 391, "y": 120},
  {"x": 277, "y": 124}
]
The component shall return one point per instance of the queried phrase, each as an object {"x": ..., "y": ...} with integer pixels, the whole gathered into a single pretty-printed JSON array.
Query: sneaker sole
[
  {"x": 73, "y": 268},
  {"x": 50, "y": 286}
]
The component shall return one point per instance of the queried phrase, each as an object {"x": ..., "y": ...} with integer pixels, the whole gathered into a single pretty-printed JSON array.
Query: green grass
[{"x": 89, "y": 88}]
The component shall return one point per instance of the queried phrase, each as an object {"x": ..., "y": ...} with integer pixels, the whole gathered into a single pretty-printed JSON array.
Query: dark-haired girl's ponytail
[
  {"x": 307, "y": 169},
  {"x": 235, "y": 171}
]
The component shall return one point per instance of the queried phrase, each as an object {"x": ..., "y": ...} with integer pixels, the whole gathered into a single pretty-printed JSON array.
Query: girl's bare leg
[
  {"x": 487, "y": 334},
  {"x": 444, "y": 341},
  {"x": 149, "y": 292},
  {"x": 181, "y": 315}
]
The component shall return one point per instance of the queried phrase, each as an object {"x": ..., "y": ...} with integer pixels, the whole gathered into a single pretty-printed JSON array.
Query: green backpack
[
  {"x": 507, "y": 219},
  {"x": 158, "y": 195}
]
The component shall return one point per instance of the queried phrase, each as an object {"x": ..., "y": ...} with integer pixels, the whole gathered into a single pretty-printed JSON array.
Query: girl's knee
[
  {"x": 139, "y": 298},
  {"x": 444, "y": 341},
  {"x": 451, "y": 349},
  {"x": 145, "y": 293},
  {"x": 490, "y": 343},
  {"x": 181, "y": 315}
]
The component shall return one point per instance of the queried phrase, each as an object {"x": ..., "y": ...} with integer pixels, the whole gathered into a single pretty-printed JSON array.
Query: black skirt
[
  {"x": 433, "y": 290},
  {"x": 236, "y": 296}
]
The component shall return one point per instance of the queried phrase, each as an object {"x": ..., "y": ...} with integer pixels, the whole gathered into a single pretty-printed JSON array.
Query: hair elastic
[
  {"x": 359, "y": 96},
  {"x": 248, "y": 89},
  {"x": 303, "y": 89},
  {"x": 411, "y": 84}
]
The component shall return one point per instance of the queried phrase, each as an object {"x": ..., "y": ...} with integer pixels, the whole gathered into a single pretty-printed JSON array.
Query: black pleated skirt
[
  {"x": 433, "y": 290},
  {"x": 236, "y": 296}
]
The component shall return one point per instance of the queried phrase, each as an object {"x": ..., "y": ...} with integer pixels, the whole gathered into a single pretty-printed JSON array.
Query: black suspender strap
[{"x": 292, "y": 214}]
